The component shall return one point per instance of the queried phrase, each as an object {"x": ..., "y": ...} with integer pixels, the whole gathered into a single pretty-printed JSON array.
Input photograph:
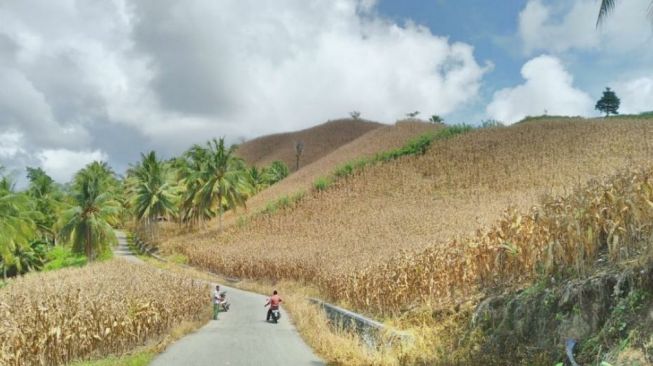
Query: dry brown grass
[
  {"x": 318, "y": 142},
  {"x": 460, "y": 185},
  {"x": 418, "y": 225},
  {"x": 375, "y": 141},
  {"x": 102, "y": 309}
]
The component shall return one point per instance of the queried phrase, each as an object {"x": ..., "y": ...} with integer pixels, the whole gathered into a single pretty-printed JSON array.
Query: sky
[{"x": 85, "y": 80}]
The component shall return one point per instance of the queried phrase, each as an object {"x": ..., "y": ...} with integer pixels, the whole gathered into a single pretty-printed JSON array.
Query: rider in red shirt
[{"x": 274, "y": 302}]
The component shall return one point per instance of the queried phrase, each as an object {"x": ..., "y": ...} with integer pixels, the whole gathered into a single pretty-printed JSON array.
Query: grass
[
  {"x": 139, "y": 359},
  {"x": 321, "y": 184},
  {"x": 62, "y": 257},
  {"x": 319, "y": 141}
]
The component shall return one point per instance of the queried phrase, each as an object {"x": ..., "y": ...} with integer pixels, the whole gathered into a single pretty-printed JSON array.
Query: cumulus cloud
[
  {"x": 547, "y": 87},
  {"x": 10, "y": 144},
  {"x": 562, "y": 25},
  {"x": 170, "y": 74},
  {"x": 62, "y": 164},
  {"x": 636, "y": 95}
]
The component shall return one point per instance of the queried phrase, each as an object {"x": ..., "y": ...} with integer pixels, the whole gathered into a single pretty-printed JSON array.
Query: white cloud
[
  {"x": 636, "y": 95},
  {"x": 547, "y": 87},
  {"x": 10, "y": 144},
  {"x": 178, "y": 73},
  {"x": 62, "y": 164},
  {"x": 563, "y": 25}
]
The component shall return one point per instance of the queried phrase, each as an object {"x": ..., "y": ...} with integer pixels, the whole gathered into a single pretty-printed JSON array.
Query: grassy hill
[
  {"x": 449, "y": 226},
  {"x": 457, "y": 187},
  {"x": 386, "y": 137},
  {"x": 318, "y": 142}
]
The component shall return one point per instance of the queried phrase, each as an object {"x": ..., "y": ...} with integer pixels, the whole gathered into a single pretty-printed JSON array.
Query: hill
[
  {"x": 457, "y": 187},
  {"x": 386, "y": 137},
  {"x": 318, "y": 142},
  {"x": 485, "y": 212}
]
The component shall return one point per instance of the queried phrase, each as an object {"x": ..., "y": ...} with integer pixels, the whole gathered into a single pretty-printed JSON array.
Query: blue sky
[
  {"x": 109, "y": 79},
  {"x": 493, "y": 29}
]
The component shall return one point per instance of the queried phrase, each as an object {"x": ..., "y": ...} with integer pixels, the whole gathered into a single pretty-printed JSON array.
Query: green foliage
[
  {"x": 491, "y": 123},
  {"x": 87, "y": 224},
  {"x": 436, "y": 119},
  {"x": 321, "y": 184},
  {"x": 283, "y": 202},
  {"x": 17, "y": 227},
  {"x": 344, "y": 170},
  {"x": 49, "y": 201},
  {"x": 152, "y": 190},
  {"x": 26, "y": 259},
  {"x": 214, "y": 179},
  {"x": 61, "y": 257},
  {"x": 609, "y": 103},
  {"x": 277, "y": 171},
  {"x": 138, "y": 359}
]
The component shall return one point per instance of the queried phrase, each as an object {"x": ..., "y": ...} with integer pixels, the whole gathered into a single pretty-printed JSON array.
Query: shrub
[
  {"x": 61, "y": 257},
  {"x": 321, "y": 184},
  {"x": 344, "y": 170}
]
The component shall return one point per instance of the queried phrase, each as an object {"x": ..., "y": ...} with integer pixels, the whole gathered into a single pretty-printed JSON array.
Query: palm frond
[{"x": 607, "y": 6}]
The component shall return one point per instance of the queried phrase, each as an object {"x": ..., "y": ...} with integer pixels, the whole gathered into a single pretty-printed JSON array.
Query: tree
[
  {"x": 355, "y": 115},
  {"x": 436, "y": 119},
  {"x": 257, "y": 179},
  {"x": 152, "y": 190},
  {"x": 299, "y": 150},
  {"x": 87, "y": 225},
  {"x": 17, "y": 227},
  {"x": 48, "y": 198},
  {"x": 223, "y": 180},
  {"x": 412, "y": 114},
  {"x": 609, "y": 103},
  {"x": 277, "y": 171}
]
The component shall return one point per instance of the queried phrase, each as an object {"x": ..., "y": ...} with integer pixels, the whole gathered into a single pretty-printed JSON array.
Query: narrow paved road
[
  {"x": 123, "y": 251},
  {"x": 239, "y": 337}
]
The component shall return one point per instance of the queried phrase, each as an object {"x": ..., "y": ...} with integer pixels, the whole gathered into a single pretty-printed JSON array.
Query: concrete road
[
  {"x": 123, "y": 251},
  {"x": 241, "y": 336}
]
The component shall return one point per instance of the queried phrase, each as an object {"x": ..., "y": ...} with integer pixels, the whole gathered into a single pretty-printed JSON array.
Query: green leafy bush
[
  {"x": 321, "y": 184},
  {"x": 61, "y": 257}
]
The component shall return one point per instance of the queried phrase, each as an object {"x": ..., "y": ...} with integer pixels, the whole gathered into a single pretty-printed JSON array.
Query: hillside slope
[
  {"x": 457, "y": 187},
  {"x": 318, "y": 142}
]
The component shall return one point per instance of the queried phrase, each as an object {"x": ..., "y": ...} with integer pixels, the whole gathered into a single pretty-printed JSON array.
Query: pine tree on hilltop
[{"x": 609, "y": 103}]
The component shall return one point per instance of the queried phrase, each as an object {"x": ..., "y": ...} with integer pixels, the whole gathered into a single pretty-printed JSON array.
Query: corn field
[
  {"x": 434, "y": 229},
  {"x": 608, "y": 222},
  {"x": 58, "y": 317}
]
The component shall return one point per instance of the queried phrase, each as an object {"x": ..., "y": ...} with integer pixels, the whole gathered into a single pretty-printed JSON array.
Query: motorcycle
[
  {"x": 276, "y": 315},
  {"x": 223, "y": 299}
]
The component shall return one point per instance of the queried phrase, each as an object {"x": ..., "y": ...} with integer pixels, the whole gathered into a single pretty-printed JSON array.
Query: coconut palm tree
[
  {"x": 190, "y": 168},
  {"x": 224, "y": 180},
  {"x": 17, "y": 227},
  {"x": 87, "y": 225},
  {"x": 48, "y": 198},
  {"x": 154, "y": 193}
]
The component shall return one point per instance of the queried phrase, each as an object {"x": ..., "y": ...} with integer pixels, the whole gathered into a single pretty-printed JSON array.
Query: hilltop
[{"x": 318, "y": 142}]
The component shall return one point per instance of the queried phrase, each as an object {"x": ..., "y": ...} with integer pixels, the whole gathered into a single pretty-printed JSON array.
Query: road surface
[
  {"x": 239, "y": 337},
  {"x": 123, "y": 251}
]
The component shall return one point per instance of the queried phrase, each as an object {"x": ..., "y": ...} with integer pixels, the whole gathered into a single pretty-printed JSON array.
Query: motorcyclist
[{"x": 273, "y": 302}]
